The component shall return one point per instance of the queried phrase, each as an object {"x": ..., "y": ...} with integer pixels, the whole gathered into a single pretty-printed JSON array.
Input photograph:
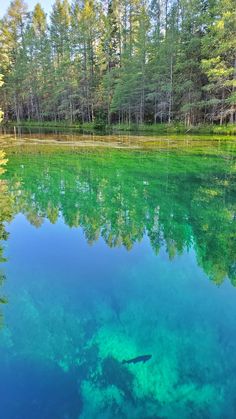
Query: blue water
[{"x": 107, "y": 265}]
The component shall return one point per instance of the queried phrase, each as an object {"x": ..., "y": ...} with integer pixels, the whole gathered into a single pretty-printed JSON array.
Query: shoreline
[{"x": 155, "y": 129}]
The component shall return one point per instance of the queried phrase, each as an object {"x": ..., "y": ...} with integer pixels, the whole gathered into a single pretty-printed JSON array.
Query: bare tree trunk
[
  {"x": 233, "y": 108},
  {"x": 171, "y": 87},
  {"x": 222, "y": 107}
]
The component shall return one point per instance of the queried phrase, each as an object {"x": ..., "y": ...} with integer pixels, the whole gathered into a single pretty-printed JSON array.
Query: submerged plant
[{"x": 3, "y": 161}]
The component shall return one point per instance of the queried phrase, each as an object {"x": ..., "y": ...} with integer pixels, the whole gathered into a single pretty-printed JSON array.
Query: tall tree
[
  {"x": 219, "y": 62},
  {"x": 12, "y": 35},
  {"x": 120, "y": 61}
]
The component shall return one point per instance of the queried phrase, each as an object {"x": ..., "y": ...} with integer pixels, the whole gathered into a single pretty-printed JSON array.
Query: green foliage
[
  {"x": 1, "y": 84},
  {"x": 126, "y": 62},
  {"x": 218, "y": 62}
]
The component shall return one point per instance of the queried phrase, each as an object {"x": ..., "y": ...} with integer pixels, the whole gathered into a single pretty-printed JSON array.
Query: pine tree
[
  {"x": 219, "y": 62},
  {"x": 120, "y": 61}
]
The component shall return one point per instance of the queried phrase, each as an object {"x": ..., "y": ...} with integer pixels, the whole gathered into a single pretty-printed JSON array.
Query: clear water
[{"x": 110, "y": 255}]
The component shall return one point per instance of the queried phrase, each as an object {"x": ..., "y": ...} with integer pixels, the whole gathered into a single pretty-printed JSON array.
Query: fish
[{"x": 142, "y": 358}]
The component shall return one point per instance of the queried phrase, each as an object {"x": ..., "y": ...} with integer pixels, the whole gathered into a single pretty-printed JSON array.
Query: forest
[{"x": 126, "y": 61}]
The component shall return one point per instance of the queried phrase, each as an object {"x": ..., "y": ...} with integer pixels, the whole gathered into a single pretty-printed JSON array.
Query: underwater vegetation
[{"x": 191, "y": 354}]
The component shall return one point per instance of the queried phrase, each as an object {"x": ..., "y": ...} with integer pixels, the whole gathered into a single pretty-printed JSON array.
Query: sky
[{"x": 46, "y": 5}]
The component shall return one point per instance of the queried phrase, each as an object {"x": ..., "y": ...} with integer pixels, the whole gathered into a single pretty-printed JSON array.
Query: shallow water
[{"x": 112, "y": 254}]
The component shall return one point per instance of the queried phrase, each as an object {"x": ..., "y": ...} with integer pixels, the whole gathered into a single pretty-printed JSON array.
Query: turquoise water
[{"x": 110, "y": 255}]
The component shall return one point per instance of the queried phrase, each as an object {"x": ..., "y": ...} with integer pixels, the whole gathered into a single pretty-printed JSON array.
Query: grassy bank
[
  {"x": 178, "y": 129},
  {"x": 229, "y": 129}
]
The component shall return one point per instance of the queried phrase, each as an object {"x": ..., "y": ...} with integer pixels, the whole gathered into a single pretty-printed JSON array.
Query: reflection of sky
[
  {"x": 66, "y": 253},
  {"x": 46, "y": 5}
]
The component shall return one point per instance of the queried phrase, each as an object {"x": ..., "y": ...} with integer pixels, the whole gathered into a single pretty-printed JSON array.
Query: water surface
[{"x": 111, "y": 254}]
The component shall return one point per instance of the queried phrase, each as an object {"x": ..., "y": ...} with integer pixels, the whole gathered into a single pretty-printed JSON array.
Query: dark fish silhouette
[{"x": 142, "y": 358}]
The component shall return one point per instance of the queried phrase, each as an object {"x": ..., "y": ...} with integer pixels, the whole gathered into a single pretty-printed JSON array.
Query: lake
[{"x": 114, "y": 248}]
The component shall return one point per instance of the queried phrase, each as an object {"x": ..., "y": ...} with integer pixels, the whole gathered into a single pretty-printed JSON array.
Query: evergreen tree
[
  {"x": 120, "y": 61},
  {"x": 219, "y": 62}
]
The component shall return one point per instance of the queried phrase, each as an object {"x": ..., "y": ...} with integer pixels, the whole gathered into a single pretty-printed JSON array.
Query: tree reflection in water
[
  {"x": 72, "y": 322},
  {"x": 178, "y": 200},
  {"x": 5, "y": 215}
]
